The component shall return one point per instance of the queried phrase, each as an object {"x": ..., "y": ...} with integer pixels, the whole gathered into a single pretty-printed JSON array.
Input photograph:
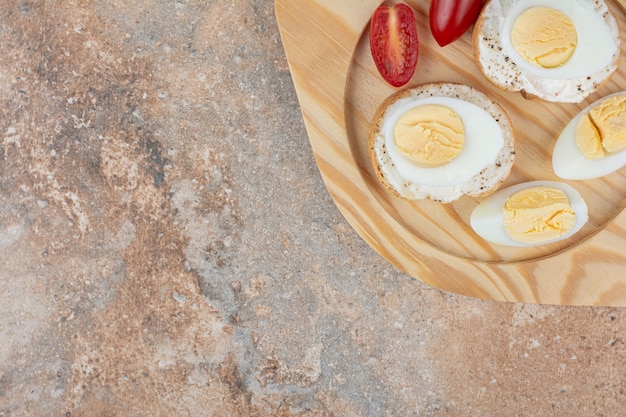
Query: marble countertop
[{"x": 168, "y": 247}]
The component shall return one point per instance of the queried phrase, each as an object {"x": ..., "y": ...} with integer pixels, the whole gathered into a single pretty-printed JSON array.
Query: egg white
[
  {"x": 570, "y": 164},
  {"x": 593, "y": 61},
  {"x": 483, "y": 142},
  {"x": 487, "y": 219},
  {"x": 593, "y": 52}
]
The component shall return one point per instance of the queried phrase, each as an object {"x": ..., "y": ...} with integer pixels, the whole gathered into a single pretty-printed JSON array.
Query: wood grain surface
[{"x": 339, "y": 90}]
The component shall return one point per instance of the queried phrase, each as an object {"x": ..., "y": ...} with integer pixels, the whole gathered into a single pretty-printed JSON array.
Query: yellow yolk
[
  {"x": 538, "y": 214},
  {"x": 603, "y": 129},
  {"x": 544, "y": 37},
  {"x": 587, "y": 138},
  {"x": 430, "y": 135}
]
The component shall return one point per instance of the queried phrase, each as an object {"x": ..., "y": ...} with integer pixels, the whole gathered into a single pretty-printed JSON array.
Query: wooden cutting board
[{"x": 339, "y": 89}]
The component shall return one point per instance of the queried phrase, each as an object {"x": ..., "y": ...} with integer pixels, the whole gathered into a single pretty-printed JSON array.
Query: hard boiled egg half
[
  {"x": 593, "y": 143},
  {"x": 556, "y": 50},
  {"x": 530, "y": 214},
  {"x": 441, "y": 141}
]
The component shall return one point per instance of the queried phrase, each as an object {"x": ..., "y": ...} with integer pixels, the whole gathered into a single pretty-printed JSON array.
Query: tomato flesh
[
  {"x": 394, "y": 43},
  {"x": 449, "y": 19}
]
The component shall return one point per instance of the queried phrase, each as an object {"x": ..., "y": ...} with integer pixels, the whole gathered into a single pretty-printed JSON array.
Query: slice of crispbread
[
  {"x": 500, "y": 69},
  {"x": 482, "y": 184}
]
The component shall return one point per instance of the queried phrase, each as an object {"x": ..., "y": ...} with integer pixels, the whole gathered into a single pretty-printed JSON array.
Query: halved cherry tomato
[
  {"x": 449, "y": 19},
  {"x": 394, "y": 43}
]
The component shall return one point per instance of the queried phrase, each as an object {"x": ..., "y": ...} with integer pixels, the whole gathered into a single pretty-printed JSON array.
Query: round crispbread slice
[
  {"x": 501, "y": 70},
  {"x": 483, "y": 183}
]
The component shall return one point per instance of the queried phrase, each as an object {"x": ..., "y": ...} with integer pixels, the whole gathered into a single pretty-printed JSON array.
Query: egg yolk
[
  {"x": 430, "y": 135},
  {"x": 603, "y": 129},
  {"x": 538, "y": 214},
  {"x": 544, "y": 37}
]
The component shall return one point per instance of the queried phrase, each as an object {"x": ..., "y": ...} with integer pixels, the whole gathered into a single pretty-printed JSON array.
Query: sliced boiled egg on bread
[
  {"x": 441, "y": 141},
  {"x": 554, "y": 50}
]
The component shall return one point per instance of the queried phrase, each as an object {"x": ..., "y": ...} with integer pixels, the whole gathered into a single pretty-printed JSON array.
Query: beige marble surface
[{"x": 168, "y": 248}]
